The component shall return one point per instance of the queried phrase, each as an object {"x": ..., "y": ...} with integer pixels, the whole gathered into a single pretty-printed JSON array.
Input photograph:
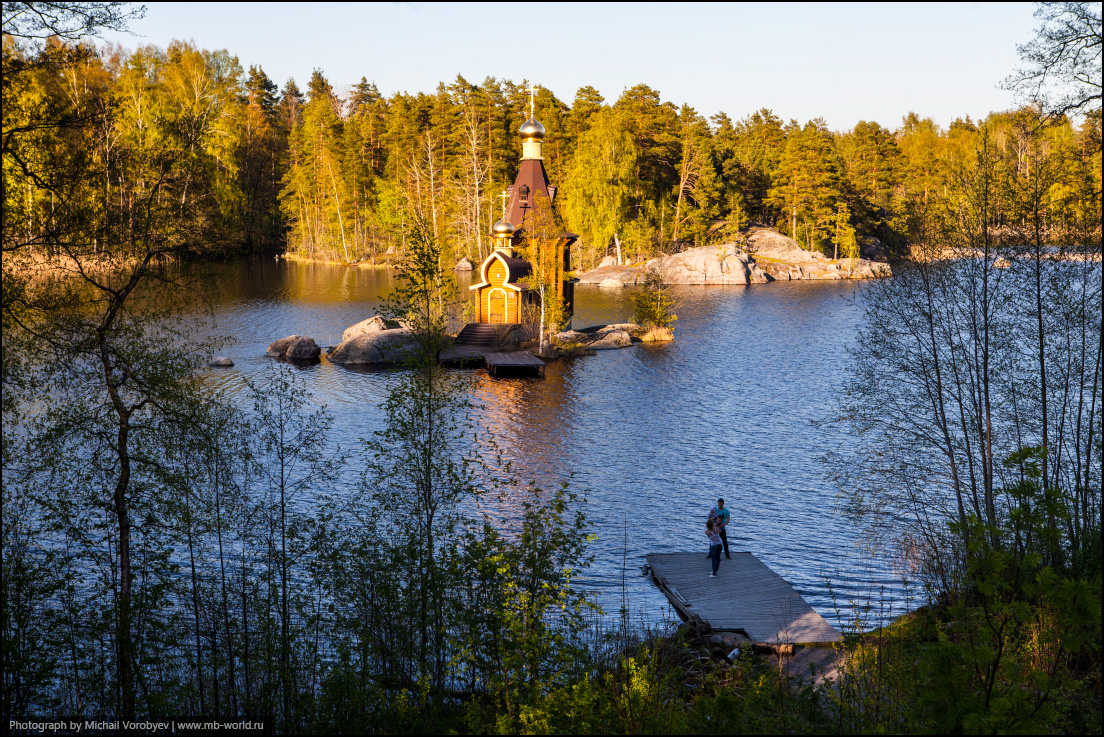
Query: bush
[{"x": 652, "y": 303}]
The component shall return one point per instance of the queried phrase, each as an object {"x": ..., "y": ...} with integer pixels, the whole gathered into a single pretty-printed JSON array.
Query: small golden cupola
[{"x": 503, "y": 232}]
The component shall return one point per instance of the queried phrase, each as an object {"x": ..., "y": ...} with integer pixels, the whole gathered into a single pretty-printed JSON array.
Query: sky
[{"x": 842, "y": 62}]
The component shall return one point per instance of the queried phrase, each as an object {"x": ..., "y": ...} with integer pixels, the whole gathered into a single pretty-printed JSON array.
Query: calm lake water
[{"x": 653, "y": 434}]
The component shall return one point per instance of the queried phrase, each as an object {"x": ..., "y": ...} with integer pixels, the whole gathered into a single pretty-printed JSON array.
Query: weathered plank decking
[
  {"x": 463, "y": 355},
  {"x": 518, "y": 361},
  {"x": 745, "y": 596}
]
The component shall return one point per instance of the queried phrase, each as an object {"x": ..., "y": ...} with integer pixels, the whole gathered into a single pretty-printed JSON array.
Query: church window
[{"x": 523, "y": 193}]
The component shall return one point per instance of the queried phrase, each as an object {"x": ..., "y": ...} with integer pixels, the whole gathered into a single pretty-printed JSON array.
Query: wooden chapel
[{"x": 530, "y": 225}]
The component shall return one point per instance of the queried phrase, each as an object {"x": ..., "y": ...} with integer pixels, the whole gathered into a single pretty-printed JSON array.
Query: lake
[{"x": 653, "y": 434}]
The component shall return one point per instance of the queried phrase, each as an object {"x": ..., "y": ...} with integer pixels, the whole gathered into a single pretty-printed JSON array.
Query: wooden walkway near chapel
[
  {"x": 515, "y": 363},
  {"x": 746, "y": 596},
  {"x": 476, "y": 345}
]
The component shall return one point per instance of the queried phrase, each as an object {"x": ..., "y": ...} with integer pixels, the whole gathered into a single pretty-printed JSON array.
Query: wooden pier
[
  {"x": 746, "y": 596},
  {"x": 464, "y": 355},
  {"x": 518, "y": 363}
]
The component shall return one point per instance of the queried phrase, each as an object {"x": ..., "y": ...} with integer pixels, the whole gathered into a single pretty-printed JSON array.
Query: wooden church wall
[
  {"x": 511, "y": 303},
  {"x": 496, "y": 275}
]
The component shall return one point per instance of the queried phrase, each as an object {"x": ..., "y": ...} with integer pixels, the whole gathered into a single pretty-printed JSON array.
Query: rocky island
[
  {"x": 767, "y": 256},
  {"x": 764, "y": 256}
]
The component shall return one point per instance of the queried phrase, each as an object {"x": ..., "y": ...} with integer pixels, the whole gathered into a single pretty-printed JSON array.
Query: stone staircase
[{"x": 477, "y": 335}]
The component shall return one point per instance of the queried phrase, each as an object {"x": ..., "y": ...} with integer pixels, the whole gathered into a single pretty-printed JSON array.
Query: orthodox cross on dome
[
  {"x": 504, "y": 196},
  {"x": 532, "y": 90}
]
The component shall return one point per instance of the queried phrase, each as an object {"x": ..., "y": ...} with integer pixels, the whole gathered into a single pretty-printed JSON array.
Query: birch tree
[{"x": 601, "y": 184}]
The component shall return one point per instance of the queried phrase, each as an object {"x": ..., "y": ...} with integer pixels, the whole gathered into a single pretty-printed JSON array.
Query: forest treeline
[{"x": 340, "y": 176}]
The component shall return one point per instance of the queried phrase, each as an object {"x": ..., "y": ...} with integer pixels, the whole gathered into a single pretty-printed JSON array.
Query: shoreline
[{"x": 299, "y": 258}]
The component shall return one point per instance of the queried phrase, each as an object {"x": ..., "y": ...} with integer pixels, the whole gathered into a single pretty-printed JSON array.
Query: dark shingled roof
[
  {"x": 531, "y": 174},
  {"x": 519, "y": 268}
]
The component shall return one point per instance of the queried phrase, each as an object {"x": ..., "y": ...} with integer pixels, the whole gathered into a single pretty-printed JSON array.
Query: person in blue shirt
[{"x": 721, "y": 515}]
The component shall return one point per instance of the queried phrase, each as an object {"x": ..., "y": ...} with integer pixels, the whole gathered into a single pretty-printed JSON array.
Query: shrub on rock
[
  {"x": 652, "y": 303},
  {"x": 657, "y": 335}
]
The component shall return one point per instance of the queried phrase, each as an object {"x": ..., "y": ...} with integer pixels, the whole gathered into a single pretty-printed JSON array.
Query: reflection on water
[{"x": 653, "y": 434}]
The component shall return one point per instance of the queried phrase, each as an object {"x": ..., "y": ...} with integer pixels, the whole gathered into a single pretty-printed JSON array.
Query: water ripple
[{"x": 653, "y": 434}]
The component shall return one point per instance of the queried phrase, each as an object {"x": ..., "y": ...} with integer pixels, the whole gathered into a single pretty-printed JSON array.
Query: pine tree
[
  {"x": 747, "y": 155},
  {"x": 697, "y": 191},
  {"x": 654, "y": 128},
  {"x": 261, "y": 150},
  {"x": 808, "y": 183},
  {"x": 845, "y": 240}
]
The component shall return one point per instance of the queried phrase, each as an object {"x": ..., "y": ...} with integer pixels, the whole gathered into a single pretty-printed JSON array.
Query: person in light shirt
[{"x": 712, "y": 531}]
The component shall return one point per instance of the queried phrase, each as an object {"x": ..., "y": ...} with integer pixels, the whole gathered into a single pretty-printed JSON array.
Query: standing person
[
  {"x": 712, "y": 532},
  {"x": 721, "y": 515}
]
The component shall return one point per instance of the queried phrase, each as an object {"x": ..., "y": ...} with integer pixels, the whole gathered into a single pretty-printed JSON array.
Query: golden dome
[
  {"x": 503, "y": 229},
  {"x": 531, "y": 129}
]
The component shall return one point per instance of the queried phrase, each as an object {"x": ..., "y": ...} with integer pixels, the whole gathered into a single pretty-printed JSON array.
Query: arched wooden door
[{"x": 496, "y": 306}]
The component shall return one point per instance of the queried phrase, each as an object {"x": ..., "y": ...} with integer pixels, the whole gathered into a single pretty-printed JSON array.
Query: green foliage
[
  {"x": 808, "y": 184},
  {"x": 748, "y": 153},
  {"x": 93, "y": 135},
  {"x": 872, "y": 162},
  {"x": 697, "y": 194},
  {"x": 166, "y": 553},
  {"x": 523, "y": 631},
  {"x": 32, "y": 578},
  {"x": 426, "y": 296},
  {"x": 316, "y": 186},
  {"x": 846, "y": 242},
  {"x": 1013, "y": 648},
  {"x": 652, "y": 302},
  {"x": 932, "y": 398},
  {"x": 602, "y": 182}
]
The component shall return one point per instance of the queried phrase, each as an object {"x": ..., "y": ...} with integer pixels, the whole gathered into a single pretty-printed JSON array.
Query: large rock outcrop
[
  {"x": 568, "y": 337},
  {"x": 602, "y": 337},
  {"x": 374, "y": 324},
  {"x": 706, "y": 265},
  {"x": 772, "y": 244},
  {"x": 380, "y": 347},
  {"x": 611, "y": 339},
  {"x": 627, "y": 275},
  {"x": 768, "y": 256},
  {"x": 608, "y": 337},
  {"x": 703, "y": 265},
  {"x": 872, "y": 249},
  {"x": 784, "y": 260},
  {"x": 294, "y": 348}
]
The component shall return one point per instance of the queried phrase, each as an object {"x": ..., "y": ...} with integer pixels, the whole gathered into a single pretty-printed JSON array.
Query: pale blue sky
[{"x": 846, "y": 62}]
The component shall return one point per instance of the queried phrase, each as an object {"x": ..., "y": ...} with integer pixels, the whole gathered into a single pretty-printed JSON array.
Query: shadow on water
[{"x": 652, "y": 434}]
